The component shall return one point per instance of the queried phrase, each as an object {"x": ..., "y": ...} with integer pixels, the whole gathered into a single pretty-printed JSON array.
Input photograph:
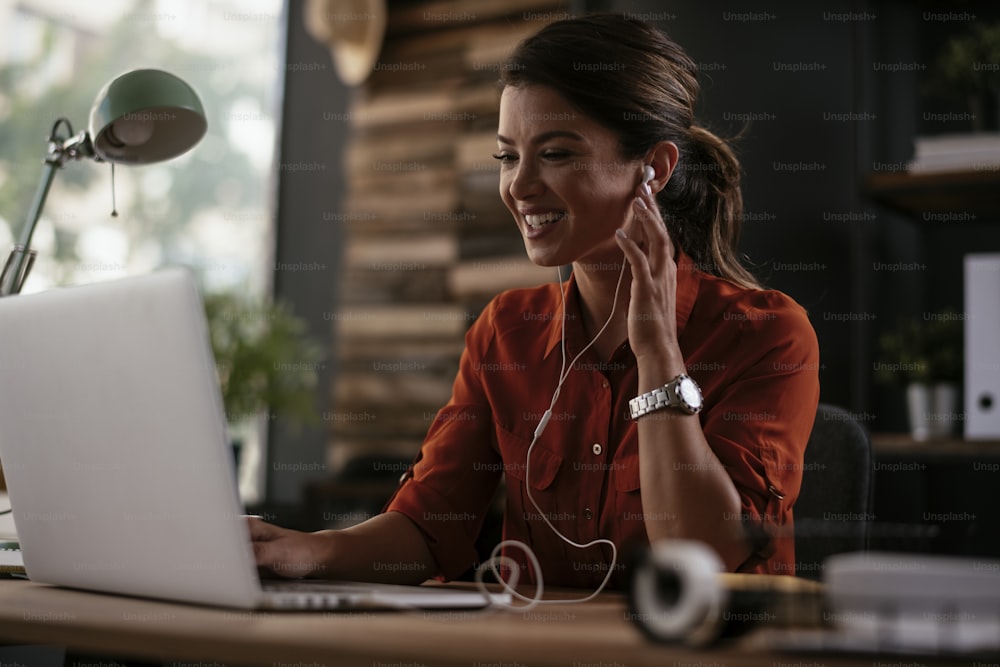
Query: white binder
[{"x": 982, "y": 346}]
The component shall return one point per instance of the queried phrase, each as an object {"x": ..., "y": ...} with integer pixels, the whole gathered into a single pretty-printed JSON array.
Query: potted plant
[
  {"x": 968, "y": 66},
  {"x": 265, "y": 361},
  {"x": 927, "y": 357}
]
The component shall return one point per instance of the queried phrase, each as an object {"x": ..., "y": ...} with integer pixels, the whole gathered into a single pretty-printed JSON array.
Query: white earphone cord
[{"x": 495, "y": 559}]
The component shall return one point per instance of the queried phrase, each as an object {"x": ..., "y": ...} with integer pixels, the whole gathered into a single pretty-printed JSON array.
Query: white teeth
[{"x": 543, "y": 219}]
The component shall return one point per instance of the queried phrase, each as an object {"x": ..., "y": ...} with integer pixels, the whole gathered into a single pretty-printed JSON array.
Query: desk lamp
[{"x": 143, "y": 116}]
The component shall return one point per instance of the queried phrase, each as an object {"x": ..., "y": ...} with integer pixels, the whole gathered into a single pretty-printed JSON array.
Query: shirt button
[
  {"x": 587, "y": 514},
  {"x": 775, "y": 492},
  {"x": 597, "y": 449},
  {"x": 605, "y": 384}
]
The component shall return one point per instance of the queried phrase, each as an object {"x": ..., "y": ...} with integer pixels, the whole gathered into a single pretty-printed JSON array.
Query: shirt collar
[{"x": 688, "y": 279}]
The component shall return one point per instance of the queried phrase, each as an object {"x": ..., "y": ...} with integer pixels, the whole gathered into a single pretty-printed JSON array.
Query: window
[{"x": 211, "y": 208}]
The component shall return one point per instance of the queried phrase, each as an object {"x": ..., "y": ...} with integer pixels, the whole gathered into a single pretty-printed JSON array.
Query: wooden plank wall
[{"x": 428, "y": 240}]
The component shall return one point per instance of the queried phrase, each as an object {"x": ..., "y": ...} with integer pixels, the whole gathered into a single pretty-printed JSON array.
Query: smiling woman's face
[{"x": 563, "y": 178}]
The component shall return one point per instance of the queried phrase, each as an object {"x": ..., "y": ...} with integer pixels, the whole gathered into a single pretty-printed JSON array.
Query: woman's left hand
[{"x": 652, "y": 319}]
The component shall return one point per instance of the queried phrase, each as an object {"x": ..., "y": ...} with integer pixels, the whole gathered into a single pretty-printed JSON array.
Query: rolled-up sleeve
[
  {"x": 448, "y": 490},
  {"x": 759, "y": 421}
]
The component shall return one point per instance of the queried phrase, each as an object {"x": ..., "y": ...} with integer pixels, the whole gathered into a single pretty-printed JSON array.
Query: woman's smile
[{"x": 562, "y": 177}]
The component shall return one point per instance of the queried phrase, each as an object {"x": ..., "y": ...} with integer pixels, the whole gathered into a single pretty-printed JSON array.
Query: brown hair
[{"x": 630, "y": 77}]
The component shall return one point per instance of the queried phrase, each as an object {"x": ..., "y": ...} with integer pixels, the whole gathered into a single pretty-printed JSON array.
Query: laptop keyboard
[
  {"x": 310, "y": 587},
  {"x": 313, "y": 595}
]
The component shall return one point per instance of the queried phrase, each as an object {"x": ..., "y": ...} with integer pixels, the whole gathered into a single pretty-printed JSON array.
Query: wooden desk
[{"x": 584, "y": 635}]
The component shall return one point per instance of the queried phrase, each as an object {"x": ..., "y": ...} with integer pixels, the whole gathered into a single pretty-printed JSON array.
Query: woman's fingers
[
  {"x": 634, "y": 253},
  {"x": 262, "y": 537},
  {"x": 276, "y": 550},
  {"x": 262, "y": 531},
  {"x": 659, "y": 244}
]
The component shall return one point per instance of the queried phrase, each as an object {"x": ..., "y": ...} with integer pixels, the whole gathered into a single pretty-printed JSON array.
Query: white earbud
[{"x": 648, "y": 174}]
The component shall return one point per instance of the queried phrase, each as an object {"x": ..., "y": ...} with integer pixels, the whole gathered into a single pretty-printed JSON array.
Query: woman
[{"x": 657, "y": 294}]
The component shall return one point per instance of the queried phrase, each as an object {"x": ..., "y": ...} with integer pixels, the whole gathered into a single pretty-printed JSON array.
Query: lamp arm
[{"x": 22, "y": 257}]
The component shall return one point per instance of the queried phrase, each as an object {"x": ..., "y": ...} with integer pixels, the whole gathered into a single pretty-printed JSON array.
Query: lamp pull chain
[{"x": 114, "y": 206}]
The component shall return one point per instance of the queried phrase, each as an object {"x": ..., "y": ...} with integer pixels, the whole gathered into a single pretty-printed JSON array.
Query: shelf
[
  {"x": 946, "y": 196},
  {"x": 902, "y": 444}
]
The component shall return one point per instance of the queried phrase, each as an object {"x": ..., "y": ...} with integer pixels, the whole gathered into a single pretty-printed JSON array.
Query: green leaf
[{"x": 264, "y": 356}]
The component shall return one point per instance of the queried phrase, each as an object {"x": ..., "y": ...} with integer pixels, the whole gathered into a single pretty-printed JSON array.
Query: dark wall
[
  {"x": 783, "y": 76},
  {"x": 307, "y": 248},
  {"x": 815, "y": 89}
]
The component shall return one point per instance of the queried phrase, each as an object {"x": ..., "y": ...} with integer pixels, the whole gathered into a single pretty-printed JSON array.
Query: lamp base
[{"x": 16, "y": 270}]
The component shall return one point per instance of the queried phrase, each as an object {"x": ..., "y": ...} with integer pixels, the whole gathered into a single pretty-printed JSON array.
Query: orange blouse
[{"x": 753, "y": 352}]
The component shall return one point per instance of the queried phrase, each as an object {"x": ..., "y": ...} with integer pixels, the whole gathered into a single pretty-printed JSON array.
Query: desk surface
[{"x": 582, "y": 635}]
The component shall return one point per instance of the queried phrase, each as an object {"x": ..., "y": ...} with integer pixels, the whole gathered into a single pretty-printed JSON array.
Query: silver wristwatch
[{"x": 681, "y": 392}]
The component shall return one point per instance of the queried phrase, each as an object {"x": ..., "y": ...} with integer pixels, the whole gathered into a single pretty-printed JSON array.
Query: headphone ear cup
[{"x": 675, "y": 594}]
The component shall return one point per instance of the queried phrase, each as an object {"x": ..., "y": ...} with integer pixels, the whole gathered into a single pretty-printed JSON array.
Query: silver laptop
[{"x": 114, "y": 447}]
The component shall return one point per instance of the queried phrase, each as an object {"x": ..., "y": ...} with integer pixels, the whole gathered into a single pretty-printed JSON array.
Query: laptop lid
[{"x": 114, "y": 445}]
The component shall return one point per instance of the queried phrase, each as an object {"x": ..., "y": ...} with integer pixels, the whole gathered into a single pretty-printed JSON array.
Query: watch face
[{"x": 690, "y": 393}]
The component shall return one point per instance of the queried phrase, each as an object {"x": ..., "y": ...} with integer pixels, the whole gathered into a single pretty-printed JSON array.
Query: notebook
[{"x": 113, "y": 442}]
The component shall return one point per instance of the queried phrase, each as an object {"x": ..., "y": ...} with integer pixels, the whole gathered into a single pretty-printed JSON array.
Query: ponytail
[{"x": 702, "y": 205}]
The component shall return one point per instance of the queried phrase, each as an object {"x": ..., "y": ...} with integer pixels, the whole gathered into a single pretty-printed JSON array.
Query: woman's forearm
[
  {"x": 387, "y": 548},
  {"x": 686, "y": 491}
]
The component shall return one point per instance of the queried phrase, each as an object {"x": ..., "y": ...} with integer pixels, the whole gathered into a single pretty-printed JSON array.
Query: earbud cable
[{"x": 496, "y": 560}]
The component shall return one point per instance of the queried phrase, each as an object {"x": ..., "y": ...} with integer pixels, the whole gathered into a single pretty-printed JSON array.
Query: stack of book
[{"x": 975, "y": 151}]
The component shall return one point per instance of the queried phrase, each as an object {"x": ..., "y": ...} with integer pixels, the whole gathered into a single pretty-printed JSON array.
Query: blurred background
[
  {"x": 369, "y": 209},
  {"x": 209, "y": 209}
]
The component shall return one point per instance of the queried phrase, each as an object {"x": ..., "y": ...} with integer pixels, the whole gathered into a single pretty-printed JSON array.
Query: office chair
[{"x": 833, "y": 511}]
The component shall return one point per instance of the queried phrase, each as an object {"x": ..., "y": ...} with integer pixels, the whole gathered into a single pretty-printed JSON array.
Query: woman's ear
[{"x": 663, "y": 159}]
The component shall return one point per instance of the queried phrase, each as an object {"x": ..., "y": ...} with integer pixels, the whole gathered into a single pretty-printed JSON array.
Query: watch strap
[{"x": 659, "y": 398}]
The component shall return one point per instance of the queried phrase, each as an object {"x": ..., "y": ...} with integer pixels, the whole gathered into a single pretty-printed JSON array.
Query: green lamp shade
[{"x": 146, "y": 115}]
